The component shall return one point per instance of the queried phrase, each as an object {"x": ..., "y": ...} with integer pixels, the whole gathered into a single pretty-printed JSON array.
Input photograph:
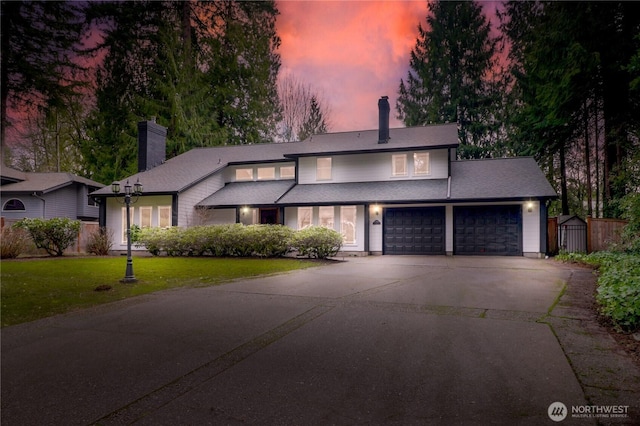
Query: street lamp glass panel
[
  {"x": 127, "y": 188},
  {"x": 137, "y": 188},
  {"x": 115, "y": 187}
]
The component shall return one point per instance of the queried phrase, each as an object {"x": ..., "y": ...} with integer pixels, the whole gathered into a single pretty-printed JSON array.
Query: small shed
[{"x": 572, "y": 234}]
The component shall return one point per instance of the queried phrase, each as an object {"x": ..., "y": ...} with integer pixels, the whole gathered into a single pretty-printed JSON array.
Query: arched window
[{"x": 14, "y": 204}]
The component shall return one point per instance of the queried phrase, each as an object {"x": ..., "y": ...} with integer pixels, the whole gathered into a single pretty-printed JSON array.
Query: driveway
[{"x": 375, "y": 340}]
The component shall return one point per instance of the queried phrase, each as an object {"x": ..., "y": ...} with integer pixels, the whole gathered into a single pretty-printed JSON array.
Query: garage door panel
[
  {"x": 488, "y": 230},
  {"x": 414, "y": 230}
]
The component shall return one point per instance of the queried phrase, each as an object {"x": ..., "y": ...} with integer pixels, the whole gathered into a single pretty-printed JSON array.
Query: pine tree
[
  {"x": 315, "y": 122},
  {"x": 447, "y": 78}
]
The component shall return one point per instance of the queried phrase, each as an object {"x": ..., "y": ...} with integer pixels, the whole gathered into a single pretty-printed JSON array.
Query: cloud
[{"x": 352, "y": 52}]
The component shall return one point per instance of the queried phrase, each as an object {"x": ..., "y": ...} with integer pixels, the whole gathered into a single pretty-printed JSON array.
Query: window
[
  {"x": 145, "y": 217},
  {"x": 348, "y": 217},
  {"x": 266, "y": 173},
  {"x": 91, "y": 200},
  {"x": 399, "y": 164},
  {"x": 164, "y": 216},
  {"x": 124, "y": 222},
  {"x": 305, "y": 217},
  {"x": 323, "y": 168},
  {"x": 421, "y": 163},
  {"x": 244, "y": 174},
  {"x": 14, "y": 204},
  {"x": 325, "y": 216},
  {"x": 287, "y": 172}
]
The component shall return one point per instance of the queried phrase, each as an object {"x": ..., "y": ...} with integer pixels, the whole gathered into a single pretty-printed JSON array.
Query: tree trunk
[
  {"x": 563, "y": 181},
  {"x": 587, "y": 158}
]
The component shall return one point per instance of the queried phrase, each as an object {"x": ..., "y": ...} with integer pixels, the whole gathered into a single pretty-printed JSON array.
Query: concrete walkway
[{"x": 376, "y": 340}]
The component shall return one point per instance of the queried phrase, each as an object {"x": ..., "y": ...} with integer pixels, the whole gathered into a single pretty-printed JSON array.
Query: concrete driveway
[{"x": 376, "y": 340}]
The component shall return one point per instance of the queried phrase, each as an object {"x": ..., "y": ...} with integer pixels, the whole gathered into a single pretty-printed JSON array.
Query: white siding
[
  {"x": 371, "y": 167},
  {"x": 187, "y": 214},
  {"x": 375, "y": 231},
  {"x": 114, "y": 216},
  {"x": 531, "y": 228}
]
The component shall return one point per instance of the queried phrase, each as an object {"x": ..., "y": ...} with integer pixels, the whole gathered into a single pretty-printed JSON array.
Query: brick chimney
[
  {"x": 152, "y": 145},
  {"x": 383, "y": 119}
]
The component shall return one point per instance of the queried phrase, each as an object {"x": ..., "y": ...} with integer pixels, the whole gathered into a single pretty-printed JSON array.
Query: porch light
[
  {"x": 245, "y": 210},
  {"x": 530, "y": 206},
  {"x": 376, "y": 210}
]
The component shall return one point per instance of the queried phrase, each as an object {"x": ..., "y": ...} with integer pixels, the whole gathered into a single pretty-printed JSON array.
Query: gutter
[
  {"x": 44, "y": 203},
  {"x": 449, "y": 187}
]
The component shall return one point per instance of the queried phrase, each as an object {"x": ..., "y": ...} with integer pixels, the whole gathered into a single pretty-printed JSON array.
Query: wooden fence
[{"x": 601, "y": 233}]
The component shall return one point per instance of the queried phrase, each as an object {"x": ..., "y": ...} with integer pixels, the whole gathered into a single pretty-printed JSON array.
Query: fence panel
[
  {"x": 602, "y": 233},
  {"x": 552, "y": 235}
]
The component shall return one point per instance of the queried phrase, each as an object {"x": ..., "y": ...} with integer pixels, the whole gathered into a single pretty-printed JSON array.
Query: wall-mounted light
[
  {"x": 376, "y": 210},
  {"x": 530, "y": 206},
  {"x": 245, "y": 210}
]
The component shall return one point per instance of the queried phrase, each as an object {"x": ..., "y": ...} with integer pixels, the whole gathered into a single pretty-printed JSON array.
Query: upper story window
[
  {"x": 323, "y": 168},
  {"x": 266, "y": 173},
  {"x": 13, "y": 205},
  {"x": 399, "y": 164},
  {"x": 287, "y": 172},
  {"x": 421, "y": 163},
  {"x": 244, "y": 174}
]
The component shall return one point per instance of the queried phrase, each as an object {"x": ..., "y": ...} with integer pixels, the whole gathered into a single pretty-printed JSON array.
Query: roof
[
  {"x": 500, "y": 178},
  {"x": 181, "y": 172},
  {"x": 47, "y": 182},
  {"x": 472, "y": 180},
  {"x": 9, "y": 175},
  {"x": 248, "y": 193},
  {"x": 368, "y": 192}
]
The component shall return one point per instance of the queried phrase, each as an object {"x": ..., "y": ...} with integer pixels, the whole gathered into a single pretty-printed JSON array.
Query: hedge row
[{"x": 239, "y": 240}]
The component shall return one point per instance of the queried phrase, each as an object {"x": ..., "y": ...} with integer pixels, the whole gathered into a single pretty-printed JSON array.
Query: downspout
[
  {"x": 44, "y": 204},
  {"x": 449, "y": 187}
]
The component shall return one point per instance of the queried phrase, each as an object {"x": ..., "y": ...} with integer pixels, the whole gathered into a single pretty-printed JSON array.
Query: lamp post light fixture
[{"x": 129, "y": 191}]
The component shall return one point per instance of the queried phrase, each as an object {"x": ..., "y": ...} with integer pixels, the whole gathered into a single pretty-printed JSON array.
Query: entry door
[{"x": 269, "y": 216}]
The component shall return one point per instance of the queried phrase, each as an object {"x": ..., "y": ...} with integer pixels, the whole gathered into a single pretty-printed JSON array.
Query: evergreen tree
[
  {"x": 447, "y": 81},
  {"x": 38, "y": 41},
  {"x": 315, "y": 122}
]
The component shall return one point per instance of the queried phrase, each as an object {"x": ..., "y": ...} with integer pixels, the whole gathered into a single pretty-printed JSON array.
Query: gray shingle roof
[
  {"x": 248, "y": 193},
  {"x": 368, "y": 192},
  {"x": 500, "y": 178},
  {"x": 179, "y": 173},
  {"x": 46, "y": 182}
]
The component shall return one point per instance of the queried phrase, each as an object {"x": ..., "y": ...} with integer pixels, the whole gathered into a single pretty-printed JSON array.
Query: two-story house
[
  {"x": 46, "y": 195},
  {"x": 388, "y": 191}
]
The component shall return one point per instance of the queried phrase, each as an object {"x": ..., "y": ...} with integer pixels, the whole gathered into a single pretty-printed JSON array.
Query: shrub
[
  {"x": 13, "y": 242},
  {"x": 53, "y": 235},
  {"x": 99, "y": 241},
  {"x": 271, "y": 240},
  {"x": 317, "y": 242}
]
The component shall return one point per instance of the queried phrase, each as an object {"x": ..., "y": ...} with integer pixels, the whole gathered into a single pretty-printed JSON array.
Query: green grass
[{"x": 33, "y": 289}]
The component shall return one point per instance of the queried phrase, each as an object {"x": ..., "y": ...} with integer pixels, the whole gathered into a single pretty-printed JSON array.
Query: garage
[
  {"x": 488, "y": 230},
  {"x": 414, "y": 230}
]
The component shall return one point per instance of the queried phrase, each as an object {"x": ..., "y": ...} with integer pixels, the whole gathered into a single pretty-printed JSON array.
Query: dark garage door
[
  {"x": 414, "y": 230},
  {"x": 488, "y": 230}
]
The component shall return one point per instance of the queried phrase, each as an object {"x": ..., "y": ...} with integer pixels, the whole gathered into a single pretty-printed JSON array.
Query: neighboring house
[
  {"x": 47, "y": 195},
  {"x": 388, "y": 191}
]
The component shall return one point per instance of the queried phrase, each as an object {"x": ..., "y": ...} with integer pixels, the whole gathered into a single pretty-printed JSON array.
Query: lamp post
[{"x": 128, "y": 193}]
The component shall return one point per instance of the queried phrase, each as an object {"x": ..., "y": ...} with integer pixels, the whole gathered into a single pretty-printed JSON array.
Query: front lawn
[{"x": 33, "y": 289}]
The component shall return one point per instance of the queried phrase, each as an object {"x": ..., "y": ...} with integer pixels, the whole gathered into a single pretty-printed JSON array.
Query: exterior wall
[
  {"x": 531, "y": 230},
  {"x": 114, "y": 216},
  {"x": 219, "y": 216},
  {"x": 187, "y": 214},
  {"x": 70, "y": 201},
  {"x": 371, "y": 167}
]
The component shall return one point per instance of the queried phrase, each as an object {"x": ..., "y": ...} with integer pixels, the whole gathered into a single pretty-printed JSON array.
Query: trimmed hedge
[{"x": 239, "y": 240}]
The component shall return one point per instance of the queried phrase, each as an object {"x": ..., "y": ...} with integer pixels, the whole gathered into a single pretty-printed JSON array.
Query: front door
[{"x": 269, "y": 216}]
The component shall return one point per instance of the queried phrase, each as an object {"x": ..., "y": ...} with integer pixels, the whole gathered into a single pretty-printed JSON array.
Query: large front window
[
  {"x": 164, "y": 216},
  {"x": 325, "y": 216},
  {"x": 305, "y": 217},
  {"x": 348, "y": 220},
  {"x": 145, "y": 216},
  {"x": 124, "y": 222}
]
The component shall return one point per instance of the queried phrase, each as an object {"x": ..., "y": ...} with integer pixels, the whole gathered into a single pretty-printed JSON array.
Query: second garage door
[
  {"x": 414, "y": 230},
  {"x": 488, "y": 230}
]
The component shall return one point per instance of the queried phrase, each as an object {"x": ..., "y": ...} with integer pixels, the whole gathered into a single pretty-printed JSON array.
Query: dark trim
[
  {"x": 371, "y": 151},
  {"x": 366, "y": 228},
  {"x": 102, "y": 214},
  {"x": 544, "y": 213},
  {"x": 174, "y": 210}
]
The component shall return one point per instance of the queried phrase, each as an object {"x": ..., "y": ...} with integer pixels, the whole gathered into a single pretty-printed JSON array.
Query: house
[
  {"x": 388, "y": 191},
  {"x": 46, "y": 195}
]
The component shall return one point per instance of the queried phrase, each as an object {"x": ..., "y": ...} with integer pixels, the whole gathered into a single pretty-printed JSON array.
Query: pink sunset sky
[{"x": 351, "y": 53}]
